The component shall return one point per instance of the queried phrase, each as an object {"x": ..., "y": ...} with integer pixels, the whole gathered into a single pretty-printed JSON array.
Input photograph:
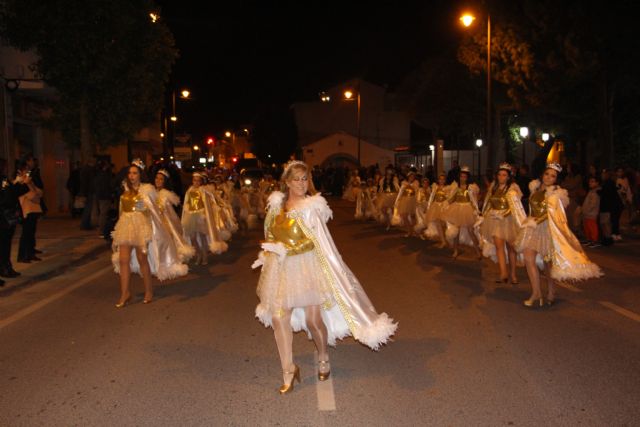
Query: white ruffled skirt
[
  {"x": 504, "y": 228},
  {"x": 133, "y": 229},
  {"x": 537, "y": 239},
  {"x": 194, "y": 222},
  {"x": 460, "y": 214},
  {"x": 296, "y": 282},
  {"x": 385, "y": 202},
  {"x": 437, "y": 211},
  {"x": 407, "y": 205}
]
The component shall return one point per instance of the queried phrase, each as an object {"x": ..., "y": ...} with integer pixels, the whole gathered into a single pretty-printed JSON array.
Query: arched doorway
[{"x": 343, "y": 160}]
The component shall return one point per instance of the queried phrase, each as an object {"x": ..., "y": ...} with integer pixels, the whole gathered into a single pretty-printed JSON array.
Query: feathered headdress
[
  {"x": 555, "y": 166},
  {"x": 138, "y": 162}
]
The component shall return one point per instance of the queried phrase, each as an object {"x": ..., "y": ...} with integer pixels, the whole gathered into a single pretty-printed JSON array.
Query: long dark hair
[
  {"x": 143, "y": 176},
  {"x": 495, "y": 186}
]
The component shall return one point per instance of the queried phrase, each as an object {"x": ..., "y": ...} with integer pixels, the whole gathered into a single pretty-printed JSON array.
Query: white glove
[
  {"x": 530, "y": 223},
  {"x": 260, "y": 261},
  {"x": 276, "y": 248}
]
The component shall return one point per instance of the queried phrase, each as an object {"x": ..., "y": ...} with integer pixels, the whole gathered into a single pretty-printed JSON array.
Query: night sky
[{"x": 239, "y": 58}]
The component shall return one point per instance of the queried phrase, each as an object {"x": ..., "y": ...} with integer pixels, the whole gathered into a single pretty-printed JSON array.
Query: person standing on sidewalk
[
  {"x": 103, "y": 193},
  {"x": 31, "y": 211},
  {"x": 590, "y": 212},
  {"x": 9, "y": 194}
]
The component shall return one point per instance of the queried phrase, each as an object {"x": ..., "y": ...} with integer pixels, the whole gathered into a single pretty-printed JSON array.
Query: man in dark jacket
[{"x": 9, "y": 208}]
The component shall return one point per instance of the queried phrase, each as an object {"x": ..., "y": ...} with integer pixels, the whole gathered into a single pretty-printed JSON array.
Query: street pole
[
  {"x": 489, "y": 133},
  {"x": 358, "y": 124},
  {"x": 479, "y": 164}
]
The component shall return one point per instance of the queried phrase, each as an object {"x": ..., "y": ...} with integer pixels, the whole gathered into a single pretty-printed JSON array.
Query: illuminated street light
[
  {"x": 432, "y": 147},
  {"x": 524, "y": 132},
  {"x": 545, "y": 137},
  {"x": 196, "y": 148},
  {"x": 161, "y": 134},
  {"x": 467, "y": 19},
  {"x": 154, "y": 17},
  {"x": 227, "y": 134},
  {"x": 174, "y": 119},
  {"x": 185, "y": 93},
  {"x": 478, "y": 143},
  {"x": 348, "y": 94}
]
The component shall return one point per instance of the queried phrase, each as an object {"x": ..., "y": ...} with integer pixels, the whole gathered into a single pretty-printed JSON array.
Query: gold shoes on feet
[
  {"x": 324, "y": 370},
  {"x": 533, "y": 302},
  {"x": 295, "y": 375},
  {"x": 124, "y": 302}
]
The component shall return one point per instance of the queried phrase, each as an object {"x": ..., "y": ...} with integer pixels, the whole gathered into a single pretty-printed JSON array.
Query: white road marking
[
  {"x": 37, "y": 306},
  {"x": 620, "y": 310},
  {"x": 569, "y": 286},
  {"x": 326, "y": 395}
]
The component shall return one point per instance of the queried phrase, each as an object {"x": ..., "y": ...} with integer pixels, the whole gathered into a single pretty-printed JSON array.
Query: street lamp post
[
  {"x": 467, "y": 19},
  {"x": 479, "y": 145},
  {"x": 170, "y": 128},
  {"x": 348, "y": 95},
  {"x": 524, "y": 133}
]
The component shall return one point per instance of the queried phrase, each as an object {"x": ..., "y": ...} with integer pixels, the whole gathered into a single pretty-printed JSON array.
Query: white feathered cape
[
  {"x": 352, "y": 312},
  {"x": 568, "y": 260},
  {"x": 162, "y": 253}
]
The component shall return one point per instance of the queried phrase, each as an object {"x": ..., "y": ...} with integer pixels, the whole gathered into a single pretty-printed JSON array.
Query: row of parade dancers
[
  {"x": 498, "y": 228},
  {"x": 149, "y": 237}
]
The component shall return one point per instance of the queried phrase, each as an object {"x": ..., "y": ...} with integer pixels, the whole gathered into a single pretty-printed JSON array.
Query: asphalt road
[{"x": 466, "y": 351}]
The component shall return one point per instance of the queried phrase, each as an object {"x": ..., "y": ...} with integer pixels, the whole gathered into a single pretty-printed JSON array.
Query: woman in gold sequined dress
[
  {"x": 304, "y": 284},
  {"x": 547, "y": 242},
  {"x": 503, "y": 216},
  {"x": 133, "y": 232}
]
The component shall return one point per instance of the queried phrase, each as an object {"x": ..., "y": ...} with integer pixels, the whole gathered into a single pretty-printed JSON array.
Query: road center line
[
  {"x": 42, "y": 303},
  {"x": 620, "y": 310},
  {"x": 324, "y": 389}
]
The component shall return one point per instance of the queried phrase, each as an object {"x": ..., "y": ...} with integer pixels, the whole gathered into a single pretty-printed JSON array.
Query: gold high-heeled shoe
[
  {"x": 323, "y": 376},
  {"x": 286, "y": 388},
  {"x": 534, "y": 303},
  {"x": 123, "y": 303}
]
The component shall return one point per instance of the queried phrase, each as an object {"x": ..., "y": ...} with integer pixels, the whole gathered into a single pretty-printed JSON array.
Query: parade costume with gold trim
[
  {"x": 226, "y": 211},
  {"x": 422, "y": 206},
  {"x": 386, "y": 198},
  {"x": 142, "y": 225},
  {"x": 546, "y": 231},
  {"x": 352, "y": 189},
  {"x": 166, "y": 202},
  {"x": 405, "y": 203},
  {"x": 502, "y": 217},
  {"x": 462, "y": 213},
  {"x": 312, "y": 272},
  {"x": 201, "y": 215},
  {"x": 437, "y": 209},
  {"x": 365, "y": 203}
]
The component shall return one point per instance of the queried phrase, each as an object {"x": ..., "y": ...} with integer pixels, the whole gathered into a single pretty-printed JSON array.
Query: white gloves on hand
[
  {"x": 259, "y": 262},
  {"x": 277, "y": 248}
]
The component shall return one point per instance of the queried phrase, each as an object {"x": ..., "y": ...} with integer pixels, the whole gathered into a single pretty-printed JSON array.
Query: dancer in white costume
[
  {"x": 503, "y": 215},
  {"x": 353, "y": 186},
  {"x": 133, "y": 232},
  {"x": 201, "y": 219},
  {"x": 365, "y": 201},
  {"x": 436, "y": 212},
  {"x": 462, "y": 213},
  {"x": 422, "y": 205},
  {"x": 404, "y": 209},
  {"x": 548, "y": 243},
  {"x": 304, "y": 284},
  {"x": 166, "y": 202},
  {"x": 388, "y": 187}
]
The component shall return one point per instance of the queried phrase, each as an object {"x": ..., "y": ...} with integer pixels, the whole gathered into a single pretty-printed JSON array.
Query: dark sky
[{"x": 239, "y": 57}]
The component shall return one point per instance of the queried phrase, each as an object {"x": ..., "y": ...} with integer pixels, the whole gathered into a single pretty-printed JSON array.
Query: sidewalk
[{"x": 63, "y": 245}]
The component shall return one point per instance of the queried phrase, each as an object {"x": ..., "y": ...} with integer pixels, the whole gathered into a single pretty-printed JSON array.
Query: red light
[
  {"x": 234, "y": 159},
  {"x": 210, "y": 141}
]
